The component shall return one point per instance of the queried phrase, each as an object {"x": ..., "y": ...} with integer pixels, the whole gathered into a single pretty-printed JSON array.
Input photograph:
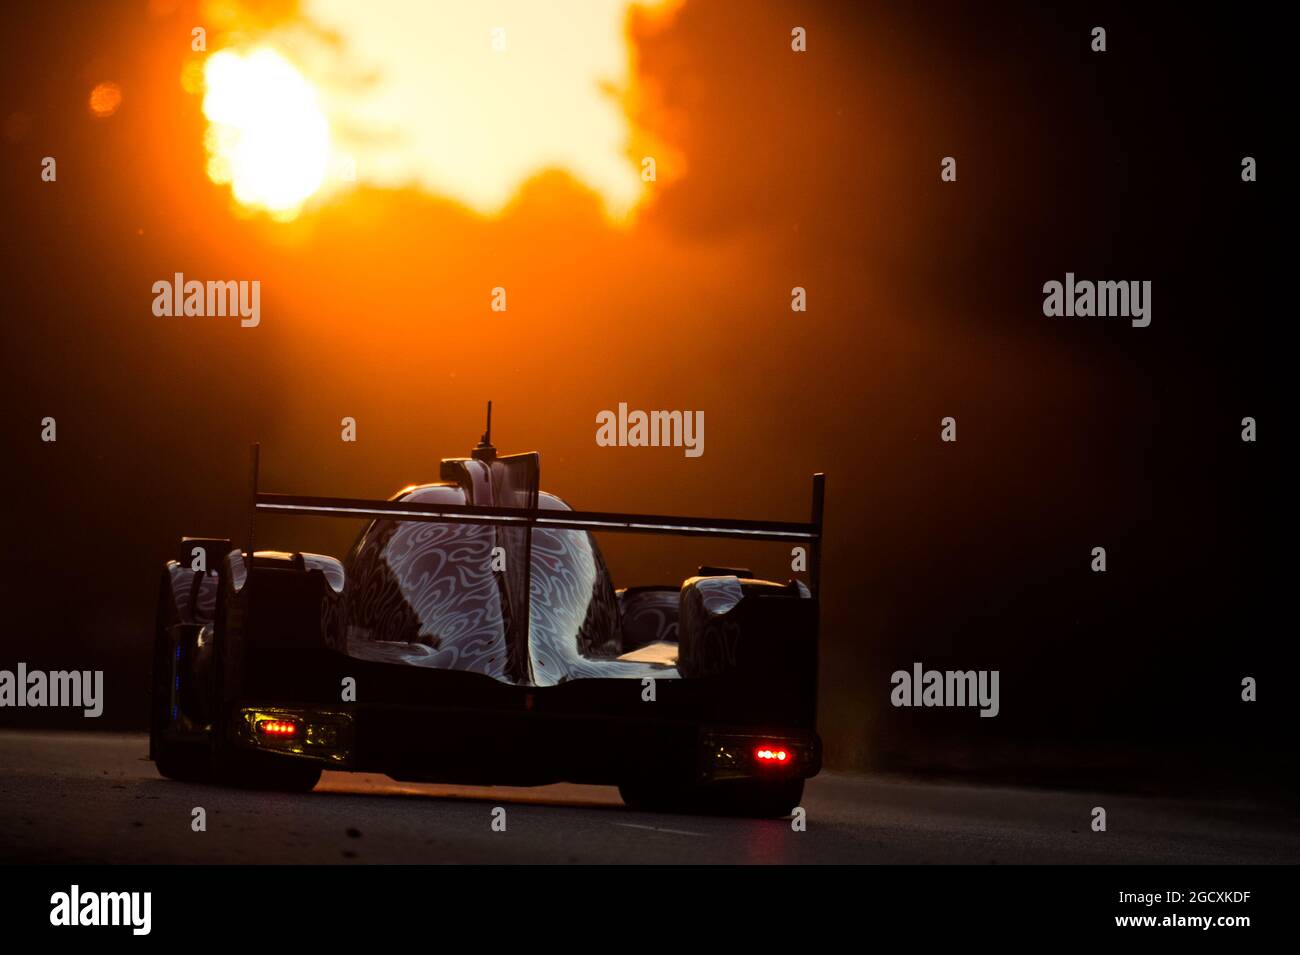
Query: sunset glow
[
  {"x": 471, "y": 100},
  {"x": 267, "y": 136},
  {"x": 455, "y": 100}
]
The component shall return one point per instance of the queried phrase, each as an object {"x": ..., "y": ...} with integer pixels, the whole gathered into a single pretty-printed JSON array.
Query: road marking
[{"x": 675, "y": 832}]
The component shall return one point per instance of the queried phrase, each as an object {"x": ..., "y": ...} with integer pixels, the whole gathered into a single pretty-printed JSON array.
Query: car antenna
[{"x": 485, "y": 451}]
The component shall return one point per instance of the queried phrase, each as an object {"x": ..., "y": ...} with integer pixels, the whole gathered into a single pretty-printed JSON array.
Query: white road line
[{"x": 675, "y": 832}]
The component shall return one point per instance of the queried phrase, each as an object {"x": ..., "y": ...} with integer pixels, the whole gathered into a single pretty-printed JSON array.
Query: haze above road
[{"x": 69, "y": 797}]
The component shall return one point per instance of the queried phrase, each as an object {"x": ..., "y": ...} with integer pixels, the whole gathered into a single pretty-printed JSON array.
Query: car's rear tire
[
  {"x": 183, "y": 761},
  {"x": 753, "y": 798}
]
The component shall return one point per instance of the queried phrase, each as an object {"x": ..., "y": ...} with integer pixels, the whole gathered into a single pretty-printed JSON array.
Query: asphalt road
[{"x": 72, "y": 797}]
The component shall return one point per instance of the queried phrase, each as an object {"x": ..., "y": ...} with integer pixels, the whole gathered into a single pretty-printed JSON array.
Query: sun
[{"x": 267, "y": 137}]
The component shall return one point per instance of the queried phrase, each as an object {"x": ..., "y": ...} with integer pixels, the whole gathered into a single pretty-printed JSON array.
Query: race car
[{"x": 473, "y": 635}]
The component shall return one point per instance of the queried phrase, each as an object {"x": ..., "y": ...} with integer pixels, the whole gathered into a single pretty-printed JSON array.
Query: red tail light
[
  {"x": 282, "y": 729},
  {"x": 772, "y": 754}
]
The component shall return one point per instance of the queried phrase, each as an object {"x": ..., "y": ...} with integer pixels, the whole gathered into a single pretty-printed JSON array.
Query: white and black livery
[{"x": 473, "y": 635}]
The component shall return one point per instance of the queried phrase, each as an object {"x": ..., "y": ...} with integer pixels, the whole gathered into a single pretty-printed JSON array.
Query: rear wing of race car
[{"x": 527, "y": 518}]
